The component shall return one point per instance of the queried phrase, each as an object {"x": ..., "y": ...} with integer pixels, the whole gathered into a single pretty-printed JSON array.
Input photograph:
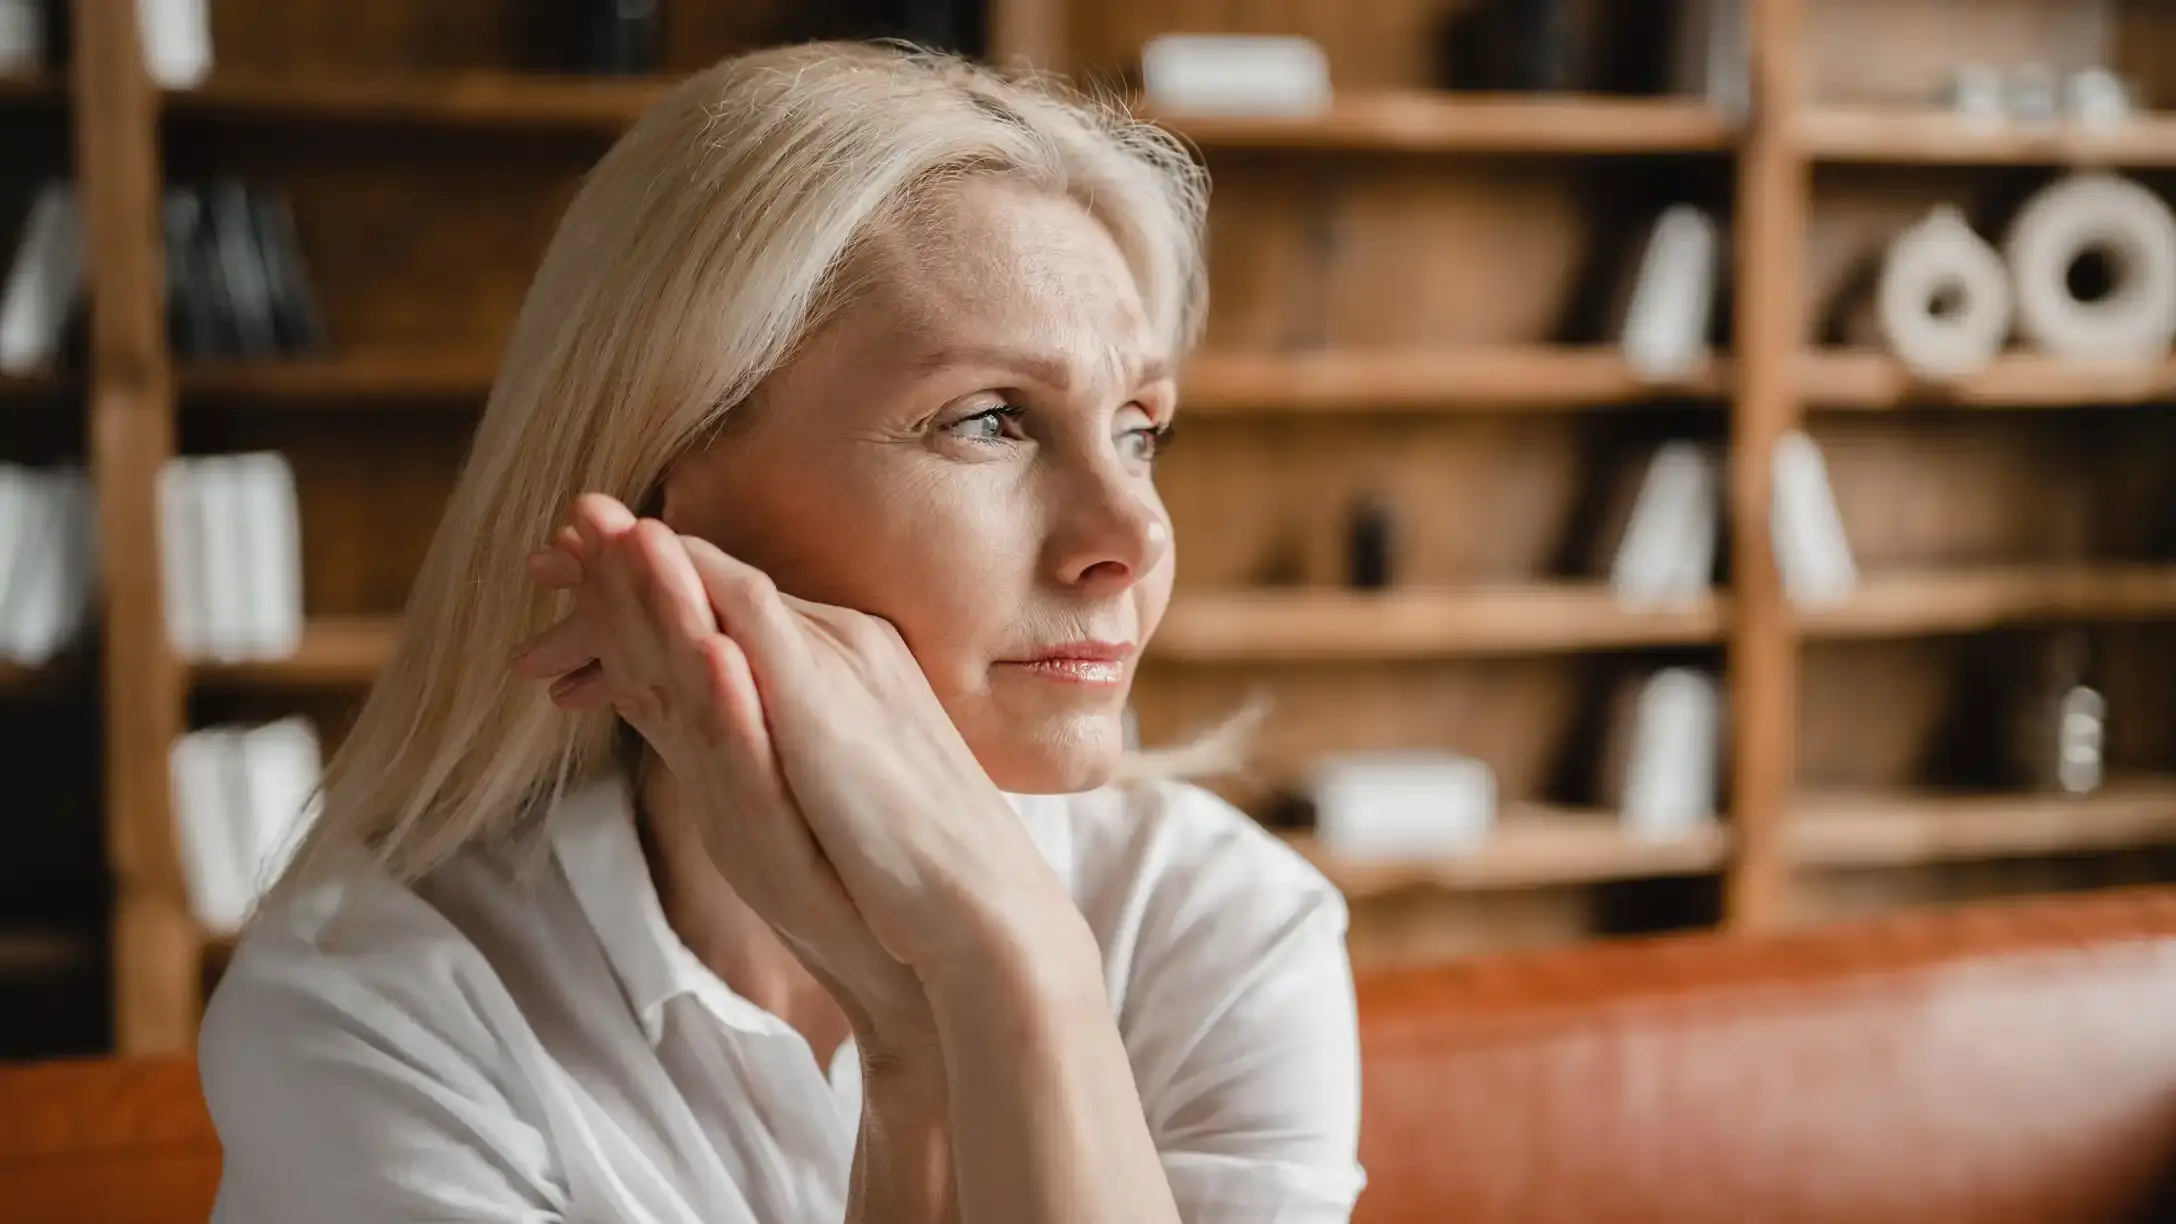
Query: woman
[{"x": 782, "y": 876}]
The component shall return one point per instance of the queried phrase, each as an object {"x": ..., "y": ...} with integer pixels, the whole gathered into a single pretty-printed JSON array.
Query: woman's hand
[
  {"x": 829, "y": 709},
  {"x": 649, "y": 647}
]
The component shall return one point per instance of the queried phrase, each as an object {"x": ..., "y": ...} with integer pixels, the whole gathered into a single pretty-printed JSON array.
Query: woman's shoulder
[
  {"x": 1170, "y": 875},
  {"x": 1164, "y": 831},
  {"x": 359, "y": 962}
]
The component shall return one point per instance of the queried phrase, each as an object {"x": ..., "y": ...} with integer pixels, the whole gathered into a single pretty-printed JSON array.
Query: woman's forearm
[{"x": 1046, "y": 1124}]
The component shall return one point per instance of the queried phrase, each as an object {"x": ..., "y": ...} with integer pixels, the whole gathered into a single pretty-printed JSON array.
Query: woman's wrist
[{"x": 1016, "y": 959}]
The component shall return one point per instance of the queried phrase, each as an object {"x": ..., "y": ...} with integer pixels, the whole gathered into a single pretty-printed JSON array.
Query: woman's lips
[{"x": 1099, "y": 664}]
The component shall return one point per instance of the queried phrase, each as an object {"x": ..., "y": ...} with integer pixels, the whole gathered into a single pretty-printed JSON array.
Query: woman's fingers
[{"x": 749, "y": 608}]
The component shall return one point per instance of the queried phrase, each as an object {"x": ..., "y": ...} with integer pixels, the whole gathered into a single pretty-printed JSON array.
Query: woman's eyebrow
[{"x": 1049, "y": 370}]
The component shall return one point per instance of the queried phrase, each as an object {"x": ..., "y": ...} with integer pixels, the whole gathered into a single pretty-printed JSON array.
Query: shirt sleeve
[
  {"x": 1240, "y": 1018},
  {"x": 339, "y": 1104}
]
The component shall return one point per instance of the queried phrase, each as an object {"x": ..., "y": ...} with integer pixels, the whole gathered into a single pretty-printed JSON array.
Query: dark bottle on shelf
[
  {"x": 1536, "y": 44},
  {"x": 957, "y": 26},
  {"x": 619, "y": 37},
  {"x": 1370, "y": 545}
]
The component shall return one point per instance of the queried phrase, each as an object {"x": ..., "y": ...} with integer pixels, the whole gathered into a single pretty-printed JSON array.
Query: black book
[
  {"x": 620, "y": 37},
  {"x": 241, "y": 264},
  {"x": 295, "y": 317},
  {"x": 192, "y": 313}
]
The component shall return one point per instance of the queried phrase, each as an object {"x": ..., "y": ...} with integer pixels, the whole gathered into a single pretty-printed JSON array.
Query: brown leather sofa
[{"x": 1991, "y": 1066}]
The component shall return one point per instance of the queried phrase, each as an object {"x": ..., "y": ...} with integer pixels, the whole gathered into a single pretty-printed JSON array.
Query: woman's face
[{"x": 965, "y": 450}]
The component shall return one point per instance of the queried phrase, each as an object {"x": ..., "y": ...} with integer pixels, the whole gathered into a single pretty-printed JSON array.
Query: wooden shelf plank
[
  {"x": 1423, "y": 121},
  {"x": 336, "y": 652},
  {"x": 1532, "y": 846},
  {"x": 497, "y": 101},
  {"x": 1871, "y": 380},
  {"x": 28, "y": 954},
  {"x": 32, "y": 88},
  {"x": 37, "y": 386},
  {"x": 1539, "y": 376},
  {"x": 1974, "y": 600},
  {"x": 1931, "y": 136},
  {"x": 1273, "y": 626},
  {"x": 374, "y": 380},
  {"x": 1900, "y": 830}
]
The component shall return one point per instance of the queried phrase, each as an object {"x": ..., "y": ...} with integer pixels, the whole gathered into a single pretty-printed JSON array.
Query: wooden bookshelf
[
  {"x": 38, "y": 953},
  {"x": 1857, "y": 831},
  {"x": 1533, "y": 846},
  {"x": 1415, "y": 121},
  {"x": 1936, "y": 137},
  {"x": 1326, "y": 626},
  {"x": 1405, "y": 295},
  {"x": 1872, "y": 381},
  {"x": 385, "y": 380},
  {"x": 336, "y": 652},
  {"x": 1975, "y": 600},
  {"x": 32, "y": 89},
  {"x": 1483, "y": 379},
  {"x": 493, "y": 101}
]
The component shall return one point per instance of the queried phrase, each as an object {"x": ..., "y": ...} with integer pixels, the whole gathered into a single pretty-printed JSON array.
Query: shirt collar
[{"x": 592, "y": 834}]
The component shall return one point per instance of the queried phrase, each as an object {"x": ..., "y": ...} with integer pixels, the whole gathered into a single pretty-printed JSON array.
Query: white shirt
[{"x": 501, "y": 1045}]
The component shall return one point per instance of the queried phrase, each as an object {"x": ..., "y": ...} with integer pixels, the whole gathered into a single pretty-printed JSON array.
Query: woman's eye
[
  {"x": 1146, "y": 443},
  {"x": 990, "y": 425}
]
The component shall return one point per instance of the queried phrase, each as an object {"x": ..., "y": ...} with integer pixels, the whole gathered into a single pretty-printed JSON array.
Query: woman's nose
[{"x": 1112, "y": 533}]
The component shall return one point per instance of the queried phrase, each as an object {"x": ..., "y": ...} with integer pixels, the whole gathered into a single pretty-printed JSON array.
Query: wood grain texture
[
  {"x": 1932, "y": 137},
  {"x": 1874, "y": 830},
  {"x": 132, "y": 434},
  {"x": 98, "y": 1140},
  {"x": 1529, "y": 847},
  {"x": 1869, "y": 380},
  {"x": 1771, "y": 210}
]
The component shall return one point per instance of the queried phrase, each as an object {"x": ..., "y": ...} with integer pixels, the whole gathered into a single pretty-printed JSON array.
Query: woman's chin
[{"x": 1059, "y": 756}]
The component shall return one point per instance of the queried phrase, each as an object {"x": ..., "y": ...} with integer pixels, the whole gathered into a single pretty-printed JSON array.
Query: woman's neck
[{"x": 718, "y": 927}]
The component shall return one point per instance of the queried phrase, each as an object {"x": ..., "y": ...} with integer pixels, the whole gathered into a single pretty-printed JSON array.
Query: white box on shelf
[
  {"x": 1235, "y": 74},
  {"x": 1668, "y": 550},
  {"x": 1675, "y": 756},
  {"x": 177, "y": 41},
  {"x": 1665, "y": 332},
  {"x": 1813, "y": 556},
  {"x": 224, "y": 514},
  {"x": 1396, "y": 804}
]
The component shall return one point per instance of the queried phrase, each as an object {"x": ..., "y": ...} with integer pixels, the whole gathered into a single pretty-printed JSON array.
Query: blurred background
[{"x": 1653, "y": 464}]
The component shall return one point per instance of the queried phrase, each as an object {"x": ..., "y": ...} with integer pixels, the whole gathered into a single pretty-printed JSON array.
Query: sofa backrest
[
  {"x": 1990, "y": 1066},
  {"x": 93, "y": 1141},
  {"x": 1987, "y": 1066}
]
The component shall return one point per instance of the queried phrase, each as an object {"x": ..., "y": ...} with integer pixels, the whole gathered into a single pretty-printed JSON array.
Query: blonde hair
[{"x": 698, "y": 253}]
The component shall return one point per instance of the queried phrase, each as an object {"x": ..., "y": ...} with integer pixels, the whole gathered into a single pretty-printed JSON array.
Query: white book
[
  {"x": 1813, "y": 557},
  {"x": 16, "y": 492},
  {"x": 1673, "y": 295},
  {"x": 22, "y": 36},
  {"x": 1669, "y": 545},
  {"x": 283, "y": 765},
  {"x": 1402, "y": 804},
  {"x": 44, "y": 613},
  {"x": 207, "y": 772},
  {"x": 271, "y": 545},
  {"x": 223, "y": 514},
  {"x": 181, "y": 559},
  {"x": 33, "y": 588},
  {"x": 1236, "y": 74},
  {"x": 1675, "y": 753},
  {"x": 177, "y": 41},
  {"x": 43, "y": 281}
]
